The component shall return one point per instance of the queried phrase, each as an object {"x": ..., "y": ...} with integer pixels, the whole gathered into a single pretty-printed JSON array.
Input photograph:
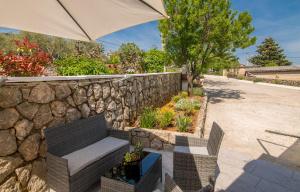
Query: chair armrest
[
  {"x": 190, "y": 141},
  {"x": 120, "y": 134},
  {"x": 57, "y": 173}
]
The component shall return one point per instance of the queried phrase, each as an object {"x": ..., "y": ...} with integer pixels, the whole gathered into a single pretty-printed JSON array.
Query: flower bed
[
  {"x": 164, "y": 138},
  {"x": 180, "y": 114}
]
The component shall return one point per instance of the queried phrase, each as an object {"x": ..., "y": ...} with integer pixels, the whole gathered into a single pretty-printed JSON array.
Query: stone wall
[{"x": 29, "y": 105}]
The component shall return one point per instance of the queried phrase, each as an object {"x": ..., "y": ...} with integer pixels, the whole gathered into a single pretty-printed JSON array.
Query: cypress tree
[{"x": 269, "y": 54}]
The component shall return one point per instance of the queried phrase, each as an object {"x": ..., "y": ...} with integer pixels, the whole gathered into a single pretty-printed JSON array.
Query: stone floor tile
[
  {"x": 266, "y": 186},
  {"x": 296, "y": 176}
]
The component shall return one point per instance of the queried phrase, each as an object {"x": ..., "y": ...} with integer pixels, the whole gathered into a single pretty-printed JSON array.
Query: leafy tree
[
  {"x": 154, "y": 61},
  {"x": 80, "y": 65},
  {"x": 130, "y": 57},
  {"x": 90, "y": 49},
  {"x": 55, "y": 46},
  {"x": 27, "y": 60},
  {"x": 199, "y": 30},
  {"x": 113, "y": 58},
  {"x": 269, "y": 54},
  {"x": 217, "y": 64},
  {"x": 7, "y": 43}
]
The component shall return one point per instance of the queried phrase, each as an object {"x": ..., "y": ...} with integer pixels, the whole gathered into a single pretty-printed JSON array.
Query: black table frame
[{"x": 147, "y": 183}]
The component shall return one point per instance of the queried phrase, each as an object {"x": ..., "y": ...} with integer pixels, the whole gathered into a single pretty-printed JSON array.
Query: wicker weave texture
[
  {"x": 215, "y": 138},
  {"x": 192, "y": 171},
  {"x": 190, "y": 141},
  {"x": 110, "y": 185},
  {"x": 170, "y": 185},
  {"x": 73, "y": 136},
  {"x": 57, "y": 173},
  {"x": 60, "y": 181},
  {"x": 120, "y": 134}
]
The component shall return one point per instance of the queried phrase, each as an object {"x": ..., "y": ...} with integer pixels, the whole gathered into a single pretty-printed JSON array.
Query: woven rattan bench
[{"x": 79, "y": 140}]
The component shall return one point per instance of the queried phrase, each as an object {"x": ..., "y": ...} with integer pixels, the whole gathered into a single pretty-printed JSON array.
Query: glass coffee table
[{"x": 141, "y": 179}]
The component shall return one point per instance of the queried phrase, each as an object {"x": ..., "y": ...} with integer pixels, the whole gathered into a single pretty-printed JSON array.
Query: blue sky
[
  {"x": 146, "y": 36},
  {"x": 276, "y": 18},
  {"x": 279, "y": 19}
]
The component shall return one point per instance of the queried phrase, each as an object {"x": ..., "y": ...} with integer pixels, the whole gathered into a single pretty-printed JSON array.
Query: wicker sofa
[
  {"x": 81, "y": 151},
  {"x": 195, "y": 160}
]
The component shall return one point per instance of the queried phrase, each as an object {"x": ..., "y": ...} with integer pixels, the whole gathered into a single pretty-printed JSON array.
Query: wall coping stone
[{"x": 72, "y": 78}]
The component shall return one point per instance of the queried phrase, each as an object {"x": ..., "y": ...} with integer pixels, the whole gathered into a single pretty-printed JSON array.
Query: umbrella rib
[
  {"x": 76, "y": 22},
  {"x": 152, "y": 7}
]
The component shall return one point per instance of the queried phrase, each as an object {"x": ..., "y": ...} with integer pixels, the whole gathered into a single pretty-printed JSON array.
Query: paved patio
[{"x": 251, "y": 159}]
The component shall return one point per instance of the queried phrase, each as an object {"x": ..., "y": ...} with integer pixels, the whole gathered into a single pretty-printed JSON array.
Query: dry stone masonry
[{"x": 28, "y": 106}]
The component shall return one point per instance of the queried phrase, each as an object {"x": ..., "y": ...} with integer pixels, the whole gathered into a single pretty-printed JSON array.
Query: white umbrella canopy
[{"x": 84, "y": 20}]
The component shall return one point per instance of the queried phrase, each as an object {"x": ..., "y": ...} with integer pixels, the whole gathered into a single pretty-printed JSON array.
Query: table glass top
[{"x": 133, "y": 173}]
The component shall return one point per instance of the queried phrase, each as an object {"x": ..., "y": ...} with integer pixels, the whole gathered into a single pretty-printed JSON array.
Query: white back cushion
[
  {"x": 80, "y": 159},
  {"x": 191, "y": 150}
]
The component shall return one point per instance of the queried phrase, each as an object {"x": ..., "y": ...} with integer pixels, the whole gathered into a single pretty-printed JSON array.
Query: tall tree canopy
[
  {"x": 200, "y": 30},
  {"x": 130, "y": 57},
  {"x": 269, "y": 54},
  {"x": 154, "y": 61}
]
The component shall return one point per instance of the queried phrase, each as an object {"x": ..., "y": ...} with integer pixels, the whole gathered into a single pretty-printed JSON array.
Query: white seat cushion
[
  {"x": 191, "y": 150},
  {"x": 80, "y": 159}
]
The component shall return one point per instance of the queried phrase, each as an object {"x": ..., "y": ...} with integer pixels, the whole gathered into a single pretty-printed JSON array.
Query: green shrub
[
  {"x": 196, "y": 104},
  {"x": 148, "y": 118},
  {"x": 183, "y": 123},
  {"x": 154, "y": 61},
  {"x": 181, "y": 95},
  {"x": 187, "y": 105},
  {"x": 198, "y": 91},
  {"x": 81, "y": 65},
  {"x": 184, "y": 94},
  {"x": 256, "y": 80},
  {"x": 176, "y": 98},
  {"x": 165, "y": 117}
]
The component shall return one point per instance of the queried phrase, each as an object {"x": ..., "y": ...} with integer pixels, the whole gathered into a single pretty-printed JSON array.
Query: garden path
[{"x": 251, "y": 159}]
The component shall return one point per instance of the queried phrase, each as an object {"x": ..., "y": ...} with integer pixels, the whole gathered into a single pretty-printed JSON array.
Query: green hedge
[{"x": 81, "y": 65}]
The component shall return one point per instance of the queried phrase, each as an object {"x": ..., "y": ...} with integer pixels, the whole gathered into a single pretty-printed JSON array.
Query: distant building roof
[{"x": 273, "y": 69}]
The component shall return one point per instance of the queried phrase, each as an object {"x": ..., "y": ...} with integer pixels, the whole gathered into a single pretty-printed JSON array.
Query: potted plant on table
[{"x": 132, "y": 162}]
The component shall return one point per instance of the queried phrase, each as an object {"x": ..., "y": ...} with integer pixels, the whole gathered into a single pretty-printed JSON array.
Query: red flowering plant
[{"x": 27, "y": 60}]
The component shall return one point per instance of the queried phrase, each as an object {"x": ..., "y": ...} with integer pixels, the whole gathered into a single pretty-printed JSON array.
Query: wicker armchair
[
  {"x": 77, "y": 136},
  {"x": 171, "y": 186},
  {"x": 195, "y": 160}
]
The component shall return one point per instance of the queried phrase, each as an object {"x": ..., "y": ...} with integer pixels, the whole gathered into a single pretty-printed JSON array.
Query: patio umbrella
[{"x": 84, "y": 20}]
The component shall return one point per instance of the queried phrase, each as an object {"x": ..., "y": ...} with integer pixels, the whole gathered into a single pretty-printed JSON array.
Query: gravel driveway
[{"x": 250, "y": 158}]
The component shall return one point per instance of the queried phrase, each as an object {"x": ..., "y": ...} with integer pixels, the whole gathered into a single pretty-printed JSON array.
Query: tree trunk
[
  {"x": 190, "y": 83},
  {"x": 190, "y": 77}
]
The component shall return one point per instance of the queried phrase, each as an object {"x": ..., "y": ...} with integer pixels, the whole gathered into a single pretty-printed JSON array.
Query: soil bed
[{"x": 172, "y": 127}]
